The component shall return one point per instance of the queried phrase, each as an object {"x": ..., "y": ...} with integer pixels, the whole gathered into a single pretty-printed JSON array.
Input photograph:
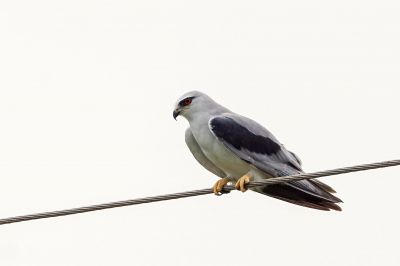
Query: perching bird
[{"x": 238, "y": 149}]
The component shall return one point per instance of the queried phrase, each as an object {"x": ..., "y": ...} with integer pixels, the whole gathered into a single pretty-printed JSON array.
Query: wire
[{"x": 199, "y": 192}]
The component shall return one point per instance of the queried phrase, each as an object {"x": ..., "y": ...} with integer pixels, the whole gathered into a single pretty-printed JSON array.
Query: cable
[{"x": 199, "y": 192}]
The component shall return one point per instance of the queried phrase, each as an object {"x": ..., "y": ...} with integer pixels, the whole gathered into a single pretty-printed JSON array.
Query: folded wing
[{"x": 256, "y": 145}]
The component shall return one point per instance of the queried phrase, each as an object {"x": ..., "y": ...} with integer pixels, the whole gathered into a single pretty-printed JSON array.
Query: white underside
[{"x": 219, "y": 155}]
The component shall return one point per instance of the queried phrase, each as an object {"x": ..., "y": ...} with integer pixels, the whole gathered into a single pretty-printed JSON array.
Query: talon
[
  {"x": 242, "y": 182},
  {"x": 219, "y": 185}
]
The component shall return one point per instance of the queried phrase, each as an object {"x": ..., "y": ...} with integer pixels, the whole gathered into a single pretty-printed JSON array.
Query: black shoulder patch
[{"x": 240, "y": 137}]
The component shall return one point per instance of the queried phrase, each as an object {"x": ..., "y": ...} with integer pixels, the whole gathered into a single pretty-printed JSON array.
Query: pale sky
[{"x": 87, "y": 90}]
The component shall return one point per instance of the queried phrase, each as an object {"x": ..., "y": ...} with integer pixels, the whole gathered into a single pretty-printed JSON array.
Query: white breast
[{"x": 217, "y": 153}]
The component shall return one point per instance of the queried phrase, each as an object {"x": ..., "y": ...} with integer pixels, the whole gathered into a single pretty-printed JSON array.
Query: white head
[{"x": 193, "y": 103}]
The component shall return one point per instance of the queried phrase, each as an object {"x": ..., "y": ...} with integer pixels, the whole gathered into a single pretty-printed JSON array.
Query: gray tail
[{"x": 307, "y": 193}]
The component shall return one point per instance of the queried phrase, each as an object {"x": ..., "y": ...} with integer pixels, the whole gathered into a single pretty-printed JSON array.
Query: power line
[{"x": 199, "y": 192}]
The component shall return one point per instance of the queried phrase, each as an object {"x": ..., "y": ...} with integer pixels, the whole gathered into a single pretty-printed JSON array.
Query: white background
[{"x": 87, "y": 90}]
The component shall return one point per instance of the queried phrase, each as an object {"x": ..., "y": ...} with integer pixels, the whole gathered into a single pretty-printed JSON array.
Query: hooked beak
[{"x": 176, "y": 113}]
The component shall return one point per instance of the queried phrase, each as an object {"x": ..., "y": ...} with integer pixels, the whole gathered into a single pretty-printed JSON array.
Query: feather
[{"x": 256, "y": 145}]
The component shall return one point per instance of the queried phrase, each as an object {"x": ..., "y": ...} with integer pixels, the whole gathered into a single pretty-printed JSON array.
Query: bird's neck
[{"x": 201, "y": 118}]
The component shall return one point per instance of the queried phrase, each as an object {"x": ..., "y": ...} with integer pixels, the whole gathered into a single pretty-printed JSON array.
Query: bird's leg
[
  {"x": 241, "y": 183},
  {"x": 219, "y": 185}
]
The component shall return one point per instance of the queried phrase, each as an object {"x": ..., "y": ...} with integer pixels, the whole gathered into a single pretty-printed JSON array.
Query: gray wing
[
  {"x": 315, "y": 181},
  {"x": 296, "y": 158},
  {"x": 199, "y": 155},
  {"x": 256, "y": 145}
]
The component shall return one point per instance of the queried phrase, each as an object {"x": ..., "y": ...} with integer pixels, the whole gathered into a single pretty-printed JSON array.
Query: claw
[
  {"x": 242, "y": 182},
  {"x": 219, "y": 185}
]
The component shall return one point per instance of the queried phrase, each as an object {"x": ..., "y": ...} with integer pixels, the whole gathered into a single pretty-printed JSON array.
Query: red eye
[{"x": 187, "y": 101}]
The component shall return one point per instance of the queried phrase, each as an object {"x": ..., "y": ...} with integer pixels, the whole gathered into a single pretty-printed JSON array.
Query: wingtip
[
  {"x": 323, "y": 186},
  {"x": 332, "y": 206}
]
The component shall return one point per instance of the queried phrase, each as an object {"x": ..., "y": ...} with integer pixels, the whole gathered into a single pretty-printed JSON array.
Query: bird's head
[{"x": 191, "y": 103}]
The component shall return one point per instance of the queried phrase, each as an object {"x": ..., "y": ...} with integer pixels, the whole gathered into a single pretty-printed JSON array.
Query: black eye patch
[{"x": 187, "y": 101}]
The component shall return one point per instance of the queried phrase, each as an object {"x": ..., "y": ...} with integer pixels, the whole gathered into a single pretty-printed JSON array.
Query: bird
[{"x": 238, "y": 150}]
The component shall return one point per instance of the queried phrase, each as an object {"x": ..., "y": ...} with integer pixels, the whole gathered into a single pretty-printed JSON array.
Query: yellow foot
[
  {"x": 219, "y": 185},
  {"x": 241, "y": 183}
]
